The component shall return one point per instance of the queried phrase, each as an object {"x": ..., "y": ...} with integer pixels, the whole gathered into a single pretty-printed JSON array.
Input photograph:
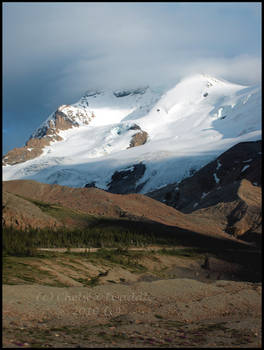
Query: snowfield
[{"x": 188, "y": 126}]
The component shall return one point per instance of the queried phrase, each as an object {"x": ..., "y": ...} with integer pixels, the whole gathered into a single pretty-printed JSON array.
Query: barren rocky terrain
[
  {"x": 227, "y": 190},
  {"x": 161, "y": 300}
]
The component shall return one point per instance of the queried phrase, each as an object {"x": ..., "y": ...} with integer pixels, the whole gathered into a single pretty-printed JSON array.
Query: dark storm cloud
[{"x": 53, "y": 52}]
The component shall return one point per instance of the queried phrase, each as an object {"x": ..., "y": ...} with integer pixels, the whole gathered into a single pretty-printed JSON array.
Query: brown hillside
[
  {"x": 94, "y": 201},
  {"x": 238, "y": 210},
  {"x": 20, "y": 213}
]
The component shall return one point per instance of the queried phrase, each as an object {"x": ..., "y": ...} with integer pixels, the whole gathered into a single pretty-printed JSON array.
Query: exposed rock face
[
  {"x": 34, "y": 146},
  {"x": 32, "y": 150},
  {"x": 242, "y": 161},
  {"x": 139, "y": 138},
  {"x": 63, "y": 119},
  {"x": 125, "y": 181},
  {"x": 227, "y": 189},
  {"x": 90, "y": 184},
  {"x": 123, "y": 93},
  {"x": 19, "y": 155},
  {"x": 246, "y": 217}
]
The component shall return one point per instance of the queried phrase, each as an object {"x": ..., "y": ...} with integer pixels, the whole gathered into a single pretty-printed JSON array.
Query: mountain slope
[
  {"x": 227, "y": 189},
  {"x": 21, "y": 213},
  {"x": 103, "y": 137},
  {"x": 96, "y": 202}
]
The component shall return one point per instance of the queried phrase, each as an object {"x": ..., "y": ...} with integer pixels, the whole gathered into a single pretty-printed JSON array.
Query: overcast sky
[{"x": 53, "y": 52}]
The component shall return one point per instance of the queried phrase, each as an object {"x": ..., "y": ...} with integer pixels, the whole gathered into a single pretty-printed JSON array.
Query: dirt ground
[{"x": 173, "y": 303}]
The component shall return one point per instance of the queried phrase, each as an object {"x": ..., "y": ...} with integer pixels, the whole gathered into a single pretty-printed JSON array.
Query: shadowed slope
[
  {"x": 227, "y": 191},
  {"x": 97, "y": 202}
]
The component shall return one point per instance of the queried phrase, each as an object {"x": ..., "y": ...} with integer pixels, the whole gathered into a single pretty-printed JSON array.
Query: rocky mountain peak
[{"x": 172, "y": 132}]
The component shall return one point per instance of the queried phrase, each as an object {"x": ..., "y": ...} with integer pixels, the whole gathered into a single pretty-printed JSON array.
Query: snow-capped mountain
[{"x": 147, "y": 138}]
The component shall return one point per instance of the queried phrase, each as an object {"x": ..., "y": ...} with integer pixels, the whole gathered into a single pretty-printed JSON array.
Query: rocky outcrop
[
  {"x": 19, "y": 155},
  {"x": 227, "y": 189},
  {"x": 139, "y": 138},
  {"x": 45, "y": 135},
  {"x": 34, "y": 148},
  {"x": 90, "y": 184},
  {"x": 124, "y": 93},
  {"x": 246, "y": 217},
  {"x": 203, "y": 188},
  {"x": 125, "y": 181}
]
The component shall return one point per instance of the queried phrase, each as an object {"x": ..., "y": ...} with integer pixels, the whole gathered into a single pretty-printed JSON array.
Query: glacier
[{"x": 188, "y": 126}]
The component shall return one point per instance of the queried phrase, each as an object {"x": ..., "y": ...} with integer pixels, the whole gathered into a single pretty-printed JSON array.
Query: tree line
[{"x": 101, "y": 235}]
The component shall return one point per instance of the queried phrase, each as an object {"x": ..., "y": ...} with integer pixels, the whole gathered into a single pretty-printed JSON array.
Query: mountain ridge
[
  {"x": 98, "y": 203},
  {"x": 173, "y": 133}
]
